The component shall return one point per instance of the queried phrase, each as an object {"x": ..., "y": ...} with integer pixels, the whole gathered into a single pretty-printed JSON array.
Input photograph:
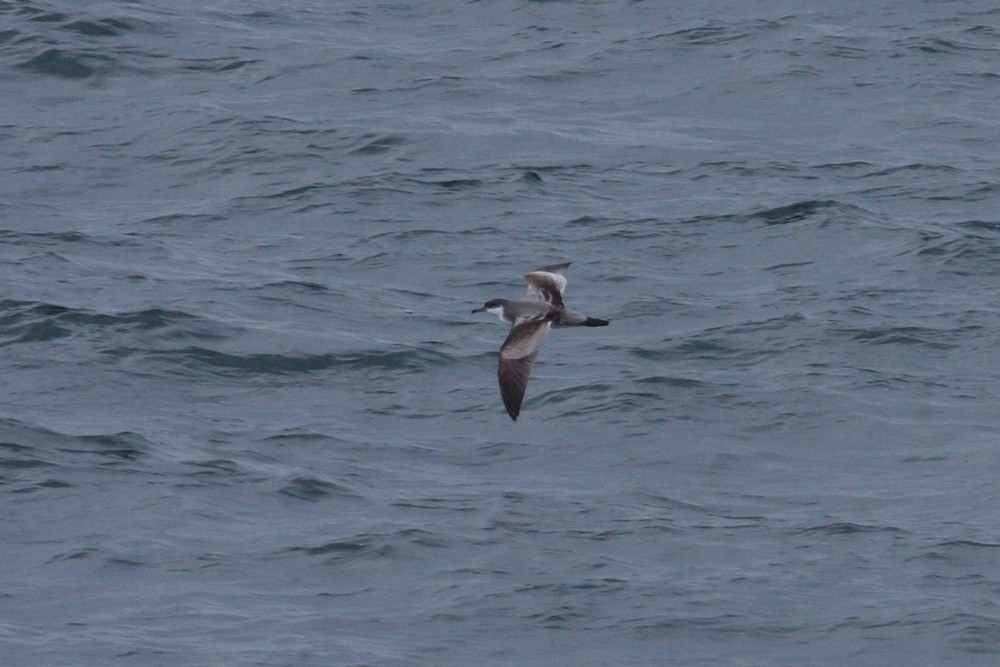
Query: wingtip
[
  {"x": 553, "y": 268},
  {"x": 511, "y": 403}
]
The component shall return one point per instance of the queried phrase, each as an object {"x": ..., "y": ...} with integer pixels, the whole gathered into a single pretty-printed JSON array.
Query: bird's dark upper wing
[{"x": 517, "y": 354}]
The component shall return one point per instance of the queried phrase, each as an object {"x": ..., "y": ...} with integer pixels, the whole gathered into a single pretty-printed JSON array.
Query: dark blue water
[{"x": 247, "y": 418}]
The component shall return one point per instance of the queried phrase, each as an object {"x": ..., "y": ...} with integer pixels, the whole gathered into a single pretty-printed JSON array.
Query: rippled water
[{"x": 249, "y": 420}]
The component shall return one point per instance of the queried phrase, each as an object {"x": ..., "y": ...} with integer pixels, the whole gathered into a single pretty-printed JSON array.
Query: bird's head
[{"x": 494, "y": 306}]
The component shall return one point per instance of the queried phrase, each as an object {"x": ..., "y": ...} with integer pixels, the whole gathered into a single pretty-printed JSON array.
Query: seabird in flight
[{"x": 531, "y": 317}]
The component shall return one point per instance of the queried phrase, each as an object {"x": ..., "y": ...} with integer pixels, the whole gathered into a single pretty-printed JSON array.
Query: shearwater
[{"x": 531, "y": 316}]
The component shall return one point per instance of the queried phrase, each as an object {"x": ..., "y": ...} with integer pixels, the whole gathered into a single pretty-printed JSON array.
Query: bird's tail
[{"x": 567, "y": 318}]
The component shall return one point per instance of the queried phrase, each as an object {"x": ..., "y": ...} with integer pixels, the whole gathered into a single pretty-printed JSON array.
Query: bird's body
[{"x": 531, "y": 317}]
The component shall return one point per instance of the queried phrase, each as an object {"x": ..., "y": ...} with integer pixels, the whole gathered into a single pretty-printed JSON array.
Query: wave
[
  {"x": 970, "y": 247},
  {"x": 72, "y": 46},
  {"x": 34, "y": 458},
  {"x": 940, "y": 339},
  {"x": 847, "y": 528},
  {"x": 312, "y": 489},
  {"x": 821, "y": 210},
  {"x": 16, "y": 238},
  {"x": 368, "y": 546},
  {"x": 64, "y": 64},
  {"x": 396, "y": 358},
  {"x": 38, "y": 321}
]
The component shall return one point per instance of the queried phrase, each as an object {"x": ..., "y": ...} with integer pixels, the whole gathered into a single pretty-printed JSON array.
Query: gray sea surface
[{"x": 247, "y": 418}]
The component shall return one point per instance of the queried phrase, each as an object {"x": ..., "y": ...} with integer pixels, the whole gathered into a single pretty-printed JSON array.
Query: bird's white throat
[{"x": 498, "y": 311}]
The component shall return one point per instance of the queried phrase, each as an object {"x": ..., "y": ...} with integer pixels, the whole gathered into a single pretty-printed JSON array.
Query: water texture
[{"x": 247, "y": 418}]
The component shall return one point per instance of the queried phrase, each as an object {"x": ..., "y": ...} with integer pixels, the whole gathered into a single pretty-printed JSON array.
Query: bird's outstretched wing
[
  {"x": 546, "y": 283},
  {"x": 517, "y": 354}
]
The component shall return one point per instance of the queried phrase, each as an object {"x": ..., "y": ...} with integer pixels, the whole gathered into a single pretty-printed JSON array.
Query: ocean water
[{"x": 248, "y": 419}]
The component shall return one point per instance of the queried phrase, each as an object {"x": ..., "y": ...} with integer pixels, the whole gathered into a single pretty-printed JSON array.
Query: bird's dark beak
[{"x": 478, "y": 310}]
